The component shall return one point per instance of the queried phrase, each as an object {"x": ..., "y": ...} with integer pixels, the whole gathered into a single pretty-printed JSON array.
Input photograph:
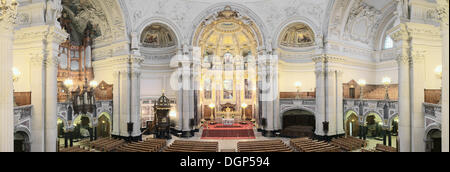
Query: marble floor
[{"x": 227, "y": 145}]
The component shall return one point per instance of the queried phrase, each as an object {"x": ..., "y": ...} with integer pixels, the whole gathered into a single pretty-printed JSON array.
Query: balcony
[{"x": 22, "y": 118}]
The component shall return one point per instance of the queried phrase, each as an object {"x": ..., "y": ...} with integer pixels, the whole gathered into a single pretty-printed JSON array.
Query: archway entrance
[
  {"x": 298, "y": 123},
  {"x": 60, "y": 126},
  {"x": 21, "y": 142},
  {"x": 104, "y": 127},
  {"x": 434, "y": 141},
  {"x": 228, "y": 44},
  {"x": 352, "y": 125},
  {"x": 374, "y": 127},
  {"x": 83, "y": 127},
  {"x": 394, "y": 126}
]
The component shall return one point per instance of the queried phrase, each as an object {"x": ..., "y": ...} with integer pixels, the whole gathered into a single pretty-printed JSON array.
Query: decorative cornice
[
  {"x": 325, "y": 58},
  {"x": 400, "y": 33}
]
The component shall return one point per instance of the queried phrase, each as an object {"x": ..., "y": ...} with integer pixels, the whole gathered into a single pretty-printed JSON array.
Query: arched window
[{"x": 388, "y": 43}]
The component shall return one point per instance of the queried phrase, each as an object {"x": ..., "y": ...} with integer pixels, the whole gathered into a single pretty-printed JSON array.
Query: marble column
[
  {"x": 320, "y": 94},
  {"x": 187, "y": 96},
  {"x": 127, "y": 95},
  {"x": 402, "y": 40},
  {"x": 443, "y": 17},
  {"x": 6, "y": 84},
  {"x": 417, "y": 85},
  {"x": 54, "y": 38},
  {"x": 329, "y": 94}
]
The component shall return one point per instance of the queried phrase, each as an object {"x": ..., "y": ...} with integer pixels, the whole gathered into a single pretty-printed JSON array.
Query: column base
[
  {"x": 186, "y": 134},
  {"x": 269, "y": 133},
  {"x": 327, "y": 138},
  {"x": 127, "y": 138}
]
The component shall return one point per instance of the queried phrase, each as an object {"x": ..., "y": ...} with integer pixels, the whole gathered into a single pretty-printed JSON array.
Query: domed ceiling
[
  {"x": 297, "y": 35},
  {"x": 158, "y": 36},
  {"x": 228, "y": 34}
]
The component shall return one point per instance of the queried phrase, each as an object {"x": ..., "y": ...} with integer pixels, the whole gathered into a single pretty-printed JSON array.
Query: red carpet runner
[{"x": 235, "y": 132}]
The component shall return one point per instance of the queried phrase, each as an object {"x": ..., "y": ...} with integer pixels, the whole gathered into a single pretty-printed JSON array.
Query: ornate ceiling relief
[
  {"x": 362, "y": 22},
  {"x": 84, "y": 16},
  {"x": 338, "y": 16},
  {"x": 227, "y": 32},
  {"x": 297, "y": 35}
]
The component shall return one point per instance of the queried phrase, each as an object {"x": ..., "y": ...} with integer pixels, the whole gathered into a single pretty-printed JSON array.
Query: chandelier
[{"x": 83, "y": 100}]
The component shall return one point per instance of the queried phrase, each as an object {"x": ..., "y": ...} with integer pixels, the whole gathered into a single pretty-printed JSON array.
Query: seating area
[
  {"x": 384, "y": 148},
  {"x": 73, "y": 149},
  {"x": 309, "y": 145},
  {"x": 106, "y": 144},
  {"x": 263, "y": 146},
  {"x": 192, "y": 146},
  {"x": 150, "y": 145},
  {"x": 349, "y": 143}
]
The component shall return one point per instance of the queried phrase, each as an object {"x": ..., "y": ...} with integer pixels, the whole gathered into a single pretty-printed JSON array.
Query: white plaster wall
[
  {"x": 22, "y": 63},
  {"x": 153, "y": 82},
  {"x": 290, "y": 73},
  {"x": 432, "y": 60}
]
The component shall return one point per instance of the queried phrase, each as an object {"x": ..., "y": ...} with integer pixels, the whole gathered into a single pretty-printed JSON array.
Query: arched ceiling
[
  {"x": 227, "y": 32},
  {"x": 359, "y": 20},
  {"x": 104, "y": 16}
]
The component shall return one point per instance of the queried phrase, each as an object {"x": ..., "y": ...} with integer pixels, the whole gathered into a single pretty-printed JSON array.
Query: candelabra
[
  {"x": 386, "y": 82},
  {"x": 16, "y": 75},
  {"x": 362, "y": 84},
  {"x": 438, "y": 72},
  {"x": 298, "y": 85}
]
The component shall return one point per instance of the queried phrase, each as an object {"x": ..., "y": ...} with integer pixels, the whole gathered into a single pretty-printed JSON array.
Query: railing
[
  {"x": 306, "y": 102},
  {"x": 433, "y": 110},
  {"x": 22, "y": 116}
]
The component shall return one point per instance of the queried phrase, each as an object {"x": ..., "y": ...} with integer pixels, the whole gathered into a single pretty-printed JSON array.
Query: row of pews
[
  {"x": 106, "y": 144},
  {"x": 149, "y": 145},
  {"x": 73, "y": 149},
  {"x": 349, "y": 143},
  {"x": 381, "y": 148},
  {"x": 263, "y": 146},
  {"x": 192, "y": 146},
  {"x": 309, "y": 145}
]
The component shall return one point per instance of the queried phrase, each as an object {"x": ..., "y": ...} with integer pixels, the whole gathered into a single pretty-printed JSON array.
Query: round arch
[
  {"x": 430, "y": 128},
  {"x": 297, "y": 124},
  {"x": 392, "y": 118},
  {"x": 350, "y": 112},
  {"x": 107, "y": 115},
  {"x": 303, "y": 20},
  {"x": 66, "y": 123},
  {"x": 24, "y": 129},
  {"x": 22, "y": 140},
  {"x": 241, "y": 9},
  {"x": 165, "y": 22},
  {"x": 352, "y": 123},
  {"x": 433, "y": 144},
  {"x": 78, "y": 117},
  {"x": 377, "y": 115}
]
